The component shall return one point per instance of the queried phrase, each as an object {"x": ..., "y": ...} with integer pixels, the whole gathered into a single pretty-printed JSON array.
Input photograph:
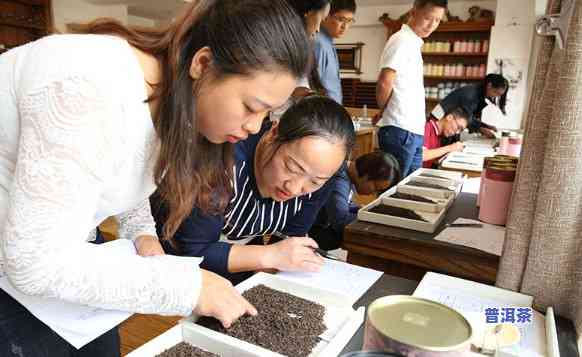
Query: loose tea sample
[
  {"x": 410, "y": 197},
  {"x": 427, "y": 185},
  {"x": 184, "y": 349},
  {"x": 285, "y": 324},
  {"x": 397, "y": 212},
  {"x": 426, "y": 174}
]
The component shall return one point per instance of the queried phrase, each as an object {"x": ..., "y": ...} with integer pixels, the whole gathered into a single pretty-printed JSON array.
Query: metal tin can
[
  {"x": 370, "y": 354},
  {"x": 496, "y": 194},
  {"x": 418, "y": 327}
]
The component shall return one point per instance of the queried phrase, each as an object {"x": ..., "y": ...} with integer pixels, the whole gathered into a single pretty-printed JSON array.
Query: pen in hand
[{"x": 324, "y": 254}]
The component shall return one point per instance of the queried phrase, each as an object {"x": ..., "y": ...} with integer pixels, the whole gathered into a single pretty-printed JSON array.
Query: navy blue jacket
[
  {"x": 248, "y": 215},
  {"x": 339, "y": 212},
  {"x": 472, "y": 99}
]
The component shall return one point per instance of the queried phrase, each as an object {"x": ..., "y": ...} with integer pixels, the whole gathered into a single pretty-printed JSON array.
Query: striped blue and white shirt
[{"x": 248, "y": 215}]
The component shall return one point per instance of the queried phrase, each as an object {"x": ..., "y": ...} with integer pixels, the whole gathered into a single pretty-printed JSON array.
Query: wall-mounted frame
[{"x": 350, "y": 57}]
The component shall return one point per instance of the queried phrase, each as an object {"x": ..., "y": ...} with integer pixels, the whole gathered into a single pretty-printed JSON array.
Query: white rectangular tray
[
  {"x": 340, "y": 318},
  {"x": 434, "y": 219},
  {"x": 453, "y": 179},
  {"x": 440, "y": 202},
  {"x": 452, "y": 175}
]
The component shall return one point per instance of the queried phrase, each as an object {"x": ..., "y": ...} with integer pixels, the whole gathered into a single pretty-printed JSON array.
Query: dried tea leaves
[
  {"x": 184, "y": 349},
  {"x": 286, "y": 324},
  {"x": 397, "y": 212},
  {"x": 410, "y": 197},
  {"x": 427, "y": 185}
]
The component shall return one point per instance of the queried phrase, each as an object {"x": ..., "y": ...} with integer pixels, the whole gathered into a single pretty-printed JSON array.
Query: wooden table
[
  {"x": 410, "y": 254},
  {"x": 364, "y": 142},
  {"x": 391, "y": 285}
]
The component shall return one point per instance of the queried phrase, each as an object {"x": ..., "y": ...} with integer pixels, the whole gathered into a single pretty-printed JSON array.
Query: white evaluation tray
[{"x": 341, "y": 319}]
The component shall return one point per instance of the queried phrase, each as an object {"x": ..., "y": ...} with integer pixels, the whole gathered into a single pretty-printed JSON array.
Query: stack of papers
[{"x": 464, "y": 161}]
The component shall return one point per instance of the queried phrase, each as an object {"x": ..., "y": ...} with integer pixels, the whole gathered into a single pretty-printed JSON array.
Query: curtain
[{"x": 542, "y": 255}]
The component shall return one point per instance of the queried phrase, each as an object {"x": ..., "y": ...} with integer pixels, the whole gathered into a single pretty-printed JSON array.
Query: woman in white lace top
[{"x": 90, "y": 124}]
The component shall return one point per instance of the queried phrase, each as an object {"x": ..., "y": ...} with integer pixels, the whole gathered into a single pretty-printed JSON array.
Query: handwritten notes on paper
[
  {"x": 347, "y": 279},
  {"x": 488, "y": 238}
]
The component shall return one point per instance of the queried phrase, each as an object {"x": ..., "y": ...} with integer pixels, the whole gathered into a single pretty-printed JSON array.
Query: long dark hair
[
  {"x": 302, "y": 7},
  {"x": 318, "y": 116},
  {"x": 244, "y": 36},
  {"x": 497, "y": 81}
]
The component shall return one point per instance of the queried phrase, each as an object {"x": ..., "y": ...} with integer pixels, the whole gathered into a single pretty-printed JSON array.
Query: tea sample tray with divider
[
  {"x": 444, "y": 186},
  {"x": 390, "y": 212},
  {"x": 419, "y": 202},
  {"x": 417, "y": 199},
  {"x": 340, "y": 319}
]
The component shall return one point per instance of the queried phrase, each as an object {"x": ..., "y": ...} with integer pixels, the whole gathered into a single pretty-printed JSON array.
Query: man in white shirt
[{"x": 400, "y": 89}]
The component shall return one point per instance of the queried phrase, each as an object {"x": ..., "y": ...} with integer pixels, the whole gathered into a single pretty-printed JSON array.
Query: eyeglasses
[{"x": 345, "y": 20}]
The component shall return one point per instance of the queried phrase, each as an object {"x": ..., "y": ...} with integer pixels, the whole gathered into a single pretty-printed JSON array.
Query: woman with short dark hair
[
  {"x": 280, "y": 182},
  {"x": 370, "y": 174}
]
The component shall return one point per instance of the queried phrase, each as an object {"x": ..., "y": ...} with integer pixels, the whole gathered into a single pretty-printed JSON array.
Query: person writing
[
  {"x": 280, "y": 183},
  {"x": 370, "y": 174},
  {"x": 90, "y": 124},
  {"x": 400, "y": 88},
  {"x": 474, "y": 98},
  {"x": 451, "y": 124}
]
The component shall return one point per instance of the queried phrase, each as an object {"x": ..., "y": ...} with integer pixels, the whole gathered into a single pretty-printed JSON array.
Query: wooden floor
[{"x": 139, "y": 329}]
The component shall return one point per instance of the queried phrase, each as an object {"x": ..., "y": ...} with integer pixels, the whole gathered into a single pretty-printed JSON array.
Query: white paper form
[
  {"x": 471, "y": 299},
  {"x": 472, "y": 185},
  {"x": 488, "y": 238},
  {"x": 335, "y": 276},
  {"x": 77, "y": 324}
]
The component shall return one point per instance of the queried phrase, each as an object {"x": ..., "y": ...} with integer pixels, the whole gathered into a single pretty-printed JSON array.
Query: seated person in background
[
  {"x": 449, "y": 125},
  {"x": 280, "y": 181},
  {"x": 371, "y": 173}
]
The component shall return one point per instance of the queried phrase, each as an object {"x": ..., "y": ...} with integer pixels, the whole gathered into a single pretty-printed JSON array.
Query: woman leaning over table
[
  {"x": 280, "y": 182},
  {"x": 90, "y": 124}
]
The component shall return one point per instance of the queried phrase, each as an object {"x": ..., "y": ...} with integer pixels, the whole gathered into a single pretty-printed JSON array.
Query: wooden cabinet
[
  {"x": 364, "y": 142},
  {"x": 23, "y": 21},
  {"x": 454, "y": 55},
  {"x": 357, "y": 93}
]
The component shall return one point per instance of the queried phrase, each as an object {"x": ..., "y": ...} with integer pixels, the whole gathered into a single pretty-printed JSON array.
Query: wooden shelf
[
  {"x": 455, "y": 78},
  {"x": 456, "y": 54},
  {"x": 23, "y": 21},
  {"x": 452, "y": 26},
  {"x": 5, "y": 22}
]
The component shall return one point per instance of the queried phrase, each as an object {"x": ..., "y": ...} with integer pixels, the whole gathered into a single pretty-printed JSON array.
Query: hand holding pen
[{"x": 294, "y": 254}]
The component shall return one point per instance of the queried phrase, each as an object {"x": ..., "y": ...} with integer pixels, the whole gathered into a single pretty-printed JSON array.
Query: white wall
[
  {"x": 373, "y": 33},
  {"x": 133, "y": 20},
  {"x": 512, "y": 40},
  {"x": 78, "y": 11}
]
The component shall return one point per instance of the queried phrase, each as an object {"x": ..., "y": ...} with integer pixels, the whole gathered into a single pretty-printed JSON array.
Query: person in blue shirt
[
  {"x": 340, "y": 18},
  {"x": 279, "y": 183},
  {"x": 370, "y": 174}
]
